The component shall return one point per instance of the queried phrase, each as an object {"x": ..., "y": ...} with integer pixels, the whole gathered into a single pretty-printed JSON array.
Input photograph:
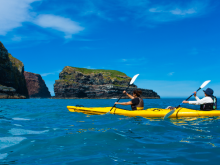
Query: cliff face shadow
[
  {"x": 11, "y": 71},
  {"x": 81, "y": 94}
]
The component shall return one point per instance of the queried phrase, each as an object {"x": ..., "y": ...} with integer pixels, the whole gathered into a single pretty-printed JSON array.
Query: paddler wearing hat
[{"x": 207, "y": 103}]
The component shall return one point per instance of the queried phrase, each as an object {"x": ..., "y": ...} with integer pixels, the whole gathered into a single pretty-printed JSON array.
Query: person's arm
[
  {"x": 199, "y": 102},
  {"x": 130, "y": 96},
  {"x": 193, "y": 102},
  {"x": 125, "y": 103},
  {"x": 196, "y": 97}
]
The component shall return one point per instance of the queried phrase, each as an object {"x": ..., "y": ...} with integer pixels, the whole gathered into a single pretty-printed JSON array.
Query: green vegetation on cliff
[
  {"x": 15, "y": 62},
  {"x": 113, "y": 74}
]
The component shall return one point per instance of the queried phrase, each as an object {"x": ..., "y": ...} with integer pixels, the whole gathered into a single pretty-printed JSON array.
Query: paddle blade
[
  {"x": 133, "y": 79},
  {"x": 169, "y": 114},
  {"x": 204, "y": 84}
]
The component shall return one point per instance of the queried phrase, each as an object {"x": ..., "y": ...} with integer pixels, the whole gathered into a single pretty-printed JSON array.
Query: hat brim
[{"x": 207, "y": 93}]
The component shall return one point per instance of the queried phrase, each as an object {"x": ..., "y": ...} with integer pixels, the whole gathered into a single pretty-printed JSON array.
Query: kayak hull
[{"x": 151, "y": 112}]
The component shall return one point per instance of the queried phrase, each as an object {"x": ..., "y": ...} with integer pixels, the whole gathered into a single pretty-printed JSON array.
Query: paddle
[
  {"x": 131, "y": 82},
  {"x": 171, "y": 112}
]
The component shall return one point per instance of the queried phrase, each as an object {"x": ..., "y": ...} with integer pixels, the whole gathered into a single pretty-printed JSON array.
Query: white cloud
[
  {"x": 175, "y": 11},
  {"x": 51, "y": 73},
  {"x": 171, "y": 73},
  {"x": 171, "y": 12},
  {"x": 183, "y": 12},
  {"x": 147, "y": 10},
  {"x": 13, "y": 13},
  {"x": 46, "y": 74},
  {"x": 62, "y": 24}
]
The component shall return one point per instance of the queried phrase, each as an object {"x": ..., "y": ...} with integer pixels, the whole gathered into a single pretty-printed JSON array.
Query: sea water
[{"x": 43, "y": 131}]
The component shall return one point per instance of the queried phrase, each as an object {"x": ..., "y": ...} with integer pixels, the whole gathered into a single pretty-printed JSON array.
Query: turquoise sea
[{"x": 43, "y": 131}]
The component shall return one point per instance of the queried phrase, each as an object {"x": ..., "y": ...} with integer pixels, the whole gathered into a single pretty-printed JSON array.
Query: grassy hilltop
[{"x": 69, "y": 74}]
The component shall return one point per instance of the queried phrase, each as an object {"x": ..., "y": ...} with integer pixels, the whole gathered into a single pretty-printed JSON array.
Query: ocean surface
[{"x": 43, "y": 131}]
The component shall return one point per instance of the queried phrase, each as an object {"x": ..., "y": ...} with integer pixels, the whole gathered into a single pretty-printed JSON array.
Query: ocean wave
[
  {"x": 3, "y": 156},
  {"x": 10, "y": 141},
  {"x": 20, "y": 119},
  {"x": 15, "y": 131}
]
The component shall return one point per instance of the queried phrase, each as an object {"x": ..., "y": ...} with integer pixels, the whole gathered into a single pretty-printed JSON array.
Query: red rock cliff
[{"x": 36, "y": 86}]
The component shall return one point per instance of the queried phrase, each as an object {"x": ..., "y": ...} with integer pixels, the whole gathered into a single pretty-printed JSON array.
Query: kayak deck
[{"x": 151, "y": 112}]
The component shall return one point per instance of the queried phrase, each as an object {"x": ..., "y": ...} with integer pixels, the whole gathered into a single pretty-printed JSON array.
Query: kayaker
[
  {"x": 209, "y": 102},
  {"x": 136, "y": 103}
]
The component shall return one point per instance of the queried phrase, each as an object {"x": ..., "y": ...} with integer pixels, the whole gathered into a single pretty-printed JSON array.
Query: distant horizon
[{"x": 173, "y": 44}]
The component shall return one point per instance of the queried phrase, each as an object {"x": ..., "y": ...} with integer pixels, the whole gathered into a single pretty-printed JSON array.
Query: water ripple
[{"x": 51, "y": 134}]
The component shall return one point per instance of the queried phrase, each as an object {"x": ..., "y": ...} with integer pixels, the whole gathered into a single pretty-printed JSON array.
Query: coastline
[{"x": 100, "y": 98}]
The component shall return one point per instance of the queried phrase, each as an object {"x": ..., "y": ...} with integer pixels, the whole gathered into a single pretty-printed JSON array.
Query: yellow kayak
[{"x": 151, "y": 112}]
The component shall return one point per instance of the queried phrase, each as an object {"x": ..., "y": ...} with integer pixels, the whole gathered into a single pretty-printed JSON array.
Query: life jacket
[
  {"x": 140, "y": 106},
  {"x": 209, "y": 106}
]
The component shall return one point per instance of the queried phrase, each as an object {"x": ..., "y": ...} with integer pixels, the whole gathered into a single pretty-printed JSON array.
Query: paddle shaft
[
  {"x": 120, "y": 97},
  {"x": 187, "y": 98}
]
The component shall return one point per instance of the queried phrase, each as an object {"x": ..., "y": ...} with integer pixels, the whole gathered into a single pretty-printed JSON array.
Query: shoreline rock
[
  {"x": 99, "y": 98},
  {"x": 9, "y": 93}
]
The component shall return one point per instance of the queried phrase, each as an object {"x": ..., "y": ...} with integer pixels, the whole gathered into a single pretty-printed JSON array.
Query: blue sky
[{"x": 172, "y": 44}]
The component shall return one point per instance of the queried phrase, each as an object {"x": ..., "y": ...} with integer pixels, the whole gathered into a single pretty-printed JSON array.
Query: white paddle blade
[
  {"x": 133, "y": 79},
  {"x": 169, "y": 114},
  {"x": 204, "y": 84}
]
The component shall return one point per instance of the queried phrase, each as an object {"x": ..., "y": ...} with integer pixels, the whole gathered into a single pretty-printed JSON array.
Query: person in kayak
[
  {"x": 136, "y": 103},
  {"x": 209, "y": 102}
]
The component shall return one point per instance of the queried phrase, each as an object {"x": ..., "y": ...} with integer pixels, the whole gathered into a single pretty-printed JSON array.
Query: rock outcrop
[
  {"x": 94, "y": 83},
  {"x": 36, "y": 86},
  {"x": 11, "y": 73},
  {"x": 9, "y": 93}
]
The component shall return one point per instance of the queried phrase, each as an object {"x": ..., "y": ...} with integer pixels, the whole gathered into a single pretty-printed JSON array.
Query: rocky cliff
[
  {"x": 36, "y": 86},
  {"x": 11, "y": 74},
  {"x": 94, "y": 83}
]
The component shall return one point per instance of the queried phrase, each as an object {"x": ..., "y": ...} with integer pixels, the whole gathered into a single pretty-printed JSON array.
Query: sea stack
[
  {"x": 94, "y": 84},
  {"x": 12, "y": 81},
  {"x": 36, "y": 86}
]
